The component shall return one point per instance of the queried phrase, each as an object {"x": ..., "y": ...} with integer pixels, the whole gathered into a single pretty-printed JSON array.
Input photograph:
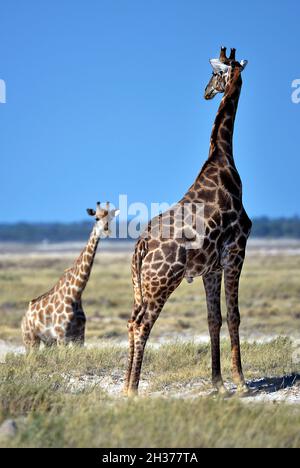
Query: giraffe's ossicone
[
  {"x": 57, "y": 317},
  {"x": 160, "y": 263}
]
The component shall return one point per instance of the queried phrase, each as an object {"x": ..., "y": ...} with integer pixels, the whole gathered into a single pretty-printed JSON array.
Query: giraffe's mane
[
  {"x": 43, "y": 296},
  {"x": 68, "y": 270},
  {"x": 51, "y": 291}
]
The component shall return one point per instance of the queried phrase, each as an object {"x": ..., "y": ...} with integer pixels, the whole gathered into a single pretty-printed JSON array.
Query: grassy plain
[
  {"x": 269, "y": 297},
  {"x": 72, "y": 397}
]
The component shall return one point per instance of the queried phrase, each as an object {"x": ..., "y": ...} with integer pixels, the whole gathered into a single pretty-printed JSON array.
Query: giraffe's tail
[{"x": 139, "y": 255}]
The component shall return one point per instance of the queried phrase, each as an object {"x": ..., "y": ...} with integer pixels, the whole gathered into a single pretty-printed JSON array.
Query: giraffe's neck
[
  {"x": 221, "y": 142},
  {"x": 82, "y": 268}
]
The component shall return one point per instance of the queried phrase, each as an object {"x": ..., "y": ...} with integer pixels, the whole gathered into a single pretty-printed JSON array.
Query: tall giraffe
[
  {"x": 57, "y": 317},
  {"x": 160, "y": 264}
]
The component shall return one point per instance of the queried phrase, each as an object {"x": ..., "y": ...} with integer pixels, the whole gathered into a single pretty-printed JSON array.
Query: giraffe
[
  {"x": 160, "y": 263},
  {"x": 57, "y": 317}
]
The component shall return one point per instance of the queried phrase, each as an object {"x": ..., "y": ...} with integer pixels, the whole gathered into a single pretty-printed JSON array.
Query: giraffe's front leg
[
  {"x": 30, "y": 340},
  {"x": 71, "y": 331},
  {"x": 212, "y": 283},
  {"x": 78, "y": 336},
  {"x": 232, "y": 277}
]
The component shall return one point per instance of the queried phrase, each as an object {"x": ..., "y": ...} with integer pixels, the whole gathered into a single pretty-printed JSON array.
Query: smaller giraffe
[{"x": 57, "y": 317}]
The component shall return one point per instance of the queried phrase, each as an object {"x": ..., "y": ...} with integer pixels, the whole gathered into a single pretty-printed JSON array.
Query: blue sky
[{"x": 105, "y": 97}]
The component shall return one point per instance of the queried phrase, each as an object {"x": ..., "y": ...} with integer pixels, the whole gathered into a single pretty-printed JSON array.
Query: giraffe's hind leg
[
  {"x": 140, "y": 331},
  {"x": 135, "y": 312},
  {"x": 141, "y": 327},
  {"x": 212, "y": 284},
  {"x": 154, "y": 280},
  {"x": 137, "y": 309}
]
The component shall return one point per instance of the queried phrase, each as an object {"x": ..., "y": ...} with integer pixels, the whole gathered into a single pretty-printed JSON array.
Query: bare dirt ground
[{"x": 285, "y": 389}]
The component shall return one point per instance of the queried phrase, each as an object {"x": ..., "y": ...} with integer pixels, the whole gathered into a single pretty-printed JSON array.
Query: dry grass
[
  {"x": 71, "y": 397},
  {"x": 49, "y": 396}
]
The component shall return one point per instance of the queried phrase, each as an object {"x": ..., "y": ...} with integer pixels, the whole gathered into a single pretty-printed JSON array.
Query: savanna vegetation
[
  {"x": 270, "y": 296},
  {"x": 73, "y": 397}
]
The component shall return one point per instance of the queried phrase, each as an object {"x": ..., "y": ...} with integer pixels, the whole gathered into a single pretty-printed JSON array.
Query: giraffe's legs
[
  {"x": 136, "y": 310},
  {"x": 141, "y": 335},
  {"x": 31, "y": 343},
  {"x": 72, "y": 333},
  {"x": 232, "y": 277},
  {"x": 30, "y": 340},
  {"x": 130, "y": 356},
  {"x": 152, "y": 289},
  {"x": 77, "y": 339},
  {"x": 212, "y": 283},
  {"x": 80, "y": 340},
  {"x": 140, "y": 331}
]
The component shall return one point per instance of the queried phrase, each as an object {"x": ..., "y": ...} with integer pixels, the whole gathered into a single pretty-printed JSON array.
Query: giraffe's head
[
  {"x": 103, "y": 217},
  {"x": 223, "y": 70}
]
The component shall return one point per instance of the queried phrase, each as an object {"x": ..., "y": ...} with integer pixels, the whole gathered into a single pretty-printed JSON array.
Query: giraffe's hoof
[
  {"x": 243, "y": 389},
  {"x": 221, "y": 390},
  {"x": 132, "y": 393}
]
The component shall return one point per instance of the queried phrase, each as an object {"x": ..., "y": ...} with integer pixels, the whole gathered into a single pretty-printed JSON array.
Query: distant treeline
[
  {"x": 41, "y": 232},
  {"x": 288, "y": 228},
  {"x": 72, "y": 232}
]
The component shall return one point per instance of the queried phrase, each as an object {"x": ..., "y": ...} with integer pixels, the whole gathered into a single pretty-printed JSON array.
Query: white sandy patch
[
  {"x": 112, "y": 383},
  {"x": 6, "y": 348},
  {"x": 260, "y": 391},
  {"x": 287, "y": 395},
  {"x": 203, "y": 339}
]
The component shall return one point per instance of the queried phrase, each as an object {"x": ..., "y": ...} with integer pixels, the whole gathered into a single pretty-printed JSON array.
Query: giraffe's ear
[
  {"x": 244, "y": 63},
  {"x": 91, "y": 212},
  {"x": 115, "y": 213},
  {"x": 218, "y": 66}
]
